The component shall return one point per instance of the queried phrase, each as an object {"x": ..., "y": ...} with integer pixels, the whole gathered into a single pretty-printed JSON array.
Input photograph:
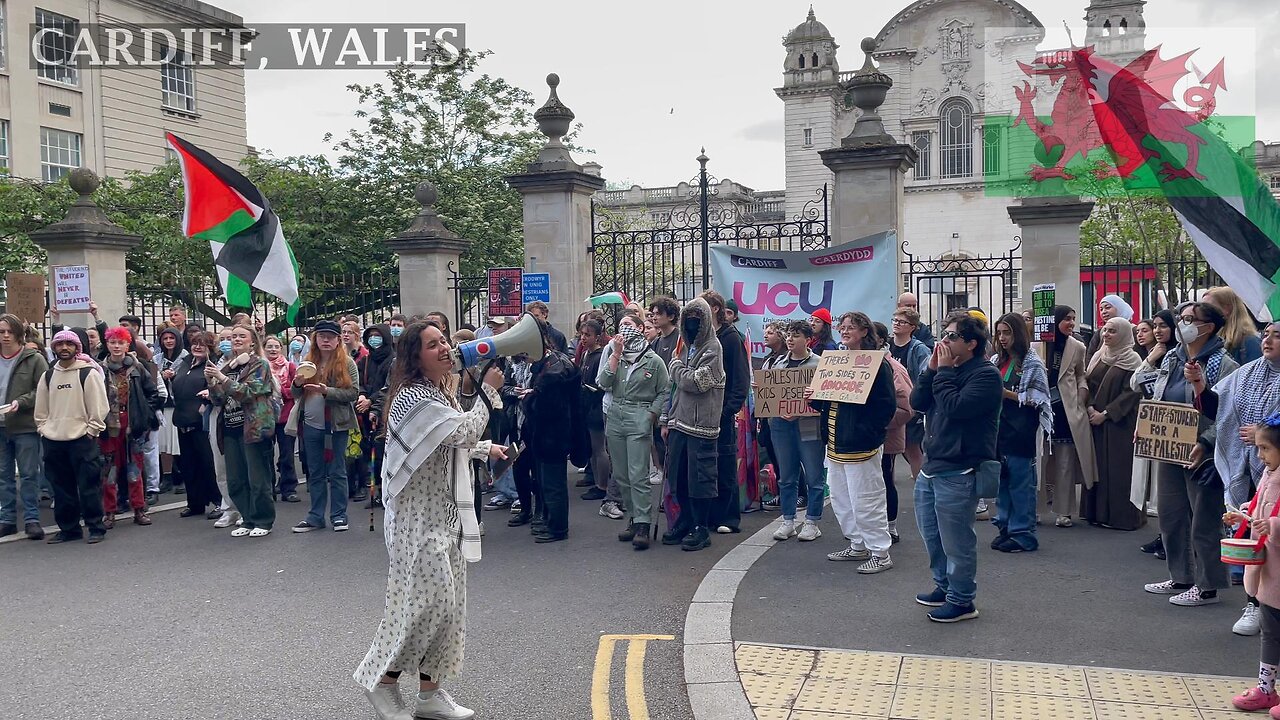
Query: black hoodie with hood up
[{"x": 375, "y": 366}]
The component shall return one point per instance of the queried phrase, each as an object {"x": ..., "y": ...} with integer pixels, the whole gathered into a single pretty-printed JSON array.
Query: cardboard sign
[
  {"x": 506, "y": 296},
  {"x": 780, "y": 392},
  {"x": 1166, "y": 432},
  {"x": 846, "y": 375},
  {"x": 71, "y": 288},
  {"x": 1043, "y": 298},
  {"x": 24, "y": 296},
  {"x": 537, "y": 286}
]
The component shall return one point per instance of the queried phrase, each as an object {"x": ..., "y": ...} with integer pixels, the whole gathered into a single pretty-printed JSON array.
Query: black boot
[
  {"x": 640, "y": 541},
  {"x": 674, "y": 535},
  {"x": 1154, "y": 546},
  {"x": 698, "y": 539},
  {"x": 166, "y": 483},
  {"x": 628, "y": 534}
]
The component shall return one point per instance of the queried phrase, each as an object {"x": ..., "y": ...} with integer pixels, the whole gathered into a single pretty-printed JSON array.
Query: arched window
[
  {"x": 1106, "y": 28},
  {"x": 1124, "y": 26},
  {"x": 955, "y": 149},
  {"x": 801, "y": 61},
  {"x": 814, "y": 60}
]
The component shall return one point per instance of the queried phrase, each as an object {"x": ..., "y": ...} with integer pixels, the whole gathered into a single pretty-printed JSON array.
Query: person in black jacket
[
  {"x": 190, "y": 396},
  {"x": 133, "y": 400},
  {"x": 854, "y": 438},
  {"x": 922, "y": 331},
  {"x": 552, "y": 432},
  {"x": 726, "y": 512},
  {"x": 374, "y": 369},
  {"x": 960, "y": 394}
]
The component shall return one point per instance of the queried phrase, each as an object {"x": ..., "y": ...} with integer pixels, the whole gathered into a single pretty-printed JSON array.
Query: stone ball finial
[
  {"x": 84, "y": 181},
  {"x": 426, "y": 194},
  {"x": 869, "y": 45},
  {"x": 553, "y": 80}
]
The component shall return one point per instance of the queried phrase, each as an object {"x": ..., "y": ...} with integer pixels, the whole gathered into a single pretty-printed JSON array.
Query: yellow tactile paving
[
  {"x": 945, "y": 673},
  {"x": 774, "y": 660},
  {"x": 777, "y": 691},
  {"x": 823, "y": 684},
  {"x": 875, "y": 668},
  {"x": 1135, "y": 687},
  {"x": 843, "y": 696}
]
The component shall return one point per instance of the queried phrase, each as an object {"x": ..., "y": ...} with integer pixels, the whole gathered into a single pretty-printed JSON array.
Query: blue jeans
[
  {"x": 506, "y": 485},
  {"x": 945, "y": 509},
  {"x": 24, "y": 449},
  {"x": 1016, "y": 503},
  {"x": 326, "y": 478},
  {"x": 794, "y": 455}
]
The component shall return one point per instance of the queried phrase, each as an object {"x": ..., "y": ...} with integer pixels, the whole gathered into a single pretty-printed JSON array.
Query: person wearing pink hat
[{"x": 822, "y": 340}]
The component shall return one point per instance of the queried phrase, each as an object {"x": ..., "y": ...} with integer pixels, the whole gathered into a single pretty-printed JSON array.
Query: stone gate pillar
[
  {"x": 557, "y": 214},
  {"x": 86, "y": 236},
  {"x": 427, "y": 249},
  {"x": 869, "y": 166},
  {"x": 1051, "y": 245}
]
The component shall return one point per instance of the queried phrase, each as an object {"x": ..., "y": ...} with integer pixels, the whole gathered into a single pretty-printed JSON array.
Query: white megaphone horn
[{"x": 524, "y": 338}]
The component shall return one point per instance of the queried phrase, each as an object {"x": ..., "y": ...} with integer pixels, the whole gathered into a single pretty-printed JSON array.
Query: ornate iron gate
[
  {"x": 644, "y": 253},
  {"x": 947, "y": 283},
  {"x": 470, "y": 296}
]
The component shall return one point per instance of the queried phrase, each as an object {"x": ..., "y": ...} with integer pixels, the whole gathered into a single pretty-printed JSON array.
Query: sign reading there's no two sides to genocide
[
  {"x": 24, "y": 296},
  {"x": 1166, "y": 432},
  {"x": 780, "y": 392},
  {"x": 846, "y": 375},
  {"x": 1043, "y": 298},
  {"x": 71, "y": 288},
  {"x": 506, "y": 291}
]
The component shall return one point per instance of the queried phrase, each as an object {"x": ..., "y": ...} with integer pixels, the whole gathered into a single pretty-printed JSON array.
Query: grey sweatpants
[{"x": 1191, "y": 523}]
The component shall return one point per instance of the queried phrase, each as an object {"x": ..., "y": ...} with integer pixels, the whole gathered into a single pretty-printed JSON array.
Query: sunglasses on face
[{"x": 950, "y": 336}]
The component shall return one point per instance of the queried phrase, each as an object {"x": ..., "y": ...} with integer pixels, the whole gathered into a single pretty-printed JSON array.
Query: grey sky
[{"x": 652, "y": 82}]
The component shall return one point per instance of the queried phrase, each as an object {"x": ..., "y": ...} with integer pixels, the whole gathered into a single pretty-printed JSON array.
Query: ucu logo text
[{"x": 782, "y": 298}]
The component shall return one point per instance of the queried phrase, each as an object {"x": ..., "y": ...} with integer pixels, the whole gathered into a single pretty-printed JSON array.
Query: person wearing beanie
[
  {"x": 70, "y": 411},
  {"x": 730, "y": 312},
  {"x": 20, "y": 369},
  {"x": 822, "y": 339},
  {"x": 133, "y": 400}
]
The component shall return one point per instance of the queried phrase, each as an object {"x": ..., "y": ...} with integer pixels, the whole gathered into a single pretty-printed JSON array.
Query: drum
[
  {"x": 306, "y": 370},
  {"x": 1242, "y": 551}
]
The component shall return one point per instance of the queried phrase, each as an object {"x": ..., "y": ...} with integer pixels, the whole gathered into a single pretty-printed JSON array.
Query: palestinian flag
[
  {"x": 609, "y": 298},
  {"x": 249, "y": 249}
]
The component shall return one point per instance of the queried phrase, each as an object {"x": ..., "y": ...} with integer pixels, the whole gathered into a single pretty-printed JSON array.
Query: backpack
[{"x": 48, "y": 377}]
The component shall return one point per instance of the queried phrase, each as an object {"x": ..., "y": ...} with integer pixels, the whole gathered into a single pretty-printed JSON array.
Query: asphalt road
[
  {"x": 1078, "y": 600},
  {"x": 179, "y": 620}
]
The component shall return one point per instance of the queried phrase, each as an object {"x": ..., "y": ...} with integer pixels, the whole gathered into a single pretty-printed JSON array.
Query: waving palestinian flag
[{"x": 249, "y": 249}]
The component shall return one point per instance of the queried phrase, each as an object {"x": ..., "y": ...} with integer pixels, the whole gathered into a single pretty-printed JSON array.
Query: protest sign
[
  {"x": 846, "y": 375},
  {"x": 506, "y": 295},
  {"x": 1043, "y": 298},
  {"x": 24, "y": 296},
  {"x": 780, "y": 392},
  {"x": 1166, "y": 432},
  {"x": 71, "y": 288}
]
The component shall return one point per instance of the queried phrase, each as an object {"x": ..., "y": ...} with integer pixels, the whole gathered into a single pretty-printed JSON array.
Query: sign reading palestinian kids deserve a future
[
  {"x": 780, "y": 392},
  {"x": 1166, "y": 432},
  {"x": 846, "y": 375}
]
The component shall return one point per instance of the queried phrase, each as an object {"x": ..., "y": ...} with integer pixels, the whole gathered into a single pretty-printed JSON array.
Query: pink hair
[{"x": 119, "y": 332}]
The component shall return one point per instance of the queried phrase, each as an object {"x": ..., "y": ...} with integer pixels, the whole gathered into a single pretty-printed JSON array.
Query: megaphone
[{"x": 524, "y": 338}]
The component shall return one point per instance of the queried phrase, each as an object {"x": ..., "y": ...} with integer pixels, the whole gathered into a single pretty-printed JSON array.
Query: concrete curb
[
  {"x": 710, "y": 672},
  {"x": 119, "y": 516}
]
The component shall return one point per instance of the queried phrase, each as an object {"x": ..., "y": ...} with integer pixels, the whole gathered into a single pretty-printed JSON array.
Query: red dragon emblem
[{"x": 1103, "y": 105}]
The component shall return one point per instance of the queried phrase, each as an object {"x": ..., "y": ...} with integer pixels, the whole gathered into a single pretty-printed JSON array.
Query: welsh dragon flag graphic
[{"x": 249, "y": 249}]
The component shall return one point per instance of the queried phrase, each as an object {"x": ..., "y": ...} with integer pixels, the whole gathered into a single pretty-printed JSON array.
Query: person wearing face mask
[
  {"x": 1068, "y": 454},
  {"x": 691, "y": 425},
  {"x": 396, "y": 326},
  {"x": 375, "y": 368},
  {"x": 1113, "y": 413},
  {"x": 298, "y": 346},
  {"x": 1191, "y": 512},
  {"x": 1238, "y": 403},
  {"x": 1110, "y": 306}
]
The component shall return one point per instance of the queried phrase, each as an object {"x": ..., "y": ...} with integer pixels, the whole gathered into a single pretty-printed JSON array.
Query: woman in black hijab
[
  {"x": 1164, "y": 327},
  {"x": 1069, "y": 461}
]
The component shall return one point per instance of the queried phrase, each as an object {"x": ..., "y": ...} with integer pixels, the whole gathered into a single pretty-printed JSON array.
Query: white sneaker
[
  {"x": 786, "y": 530},
  {"x": 1194, "y": 598},
  {"x": 875, "y": 565},
  {"x": 809, "y": 531},
  {"x": 240, "y": 532},
  {"x": 610, "y": 509},
  {"x": 439, "y": 706},
  {"x": 387, "y": 702},
  {"x": 229, "y": 518},
  {"x": 982, "y": 505},
  {"x": 1249, "y": 622},
  {"x": 481, "y": 528},
  {"x": 259, "y": 532}
]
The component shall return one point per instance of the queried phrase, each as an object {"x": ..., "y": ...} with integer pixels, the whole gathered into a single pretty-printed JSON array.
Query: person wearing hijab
[
  {"x": 1109, "y": 306},
  {"x": 1143, "y": 485},
  {"x": 1113, "y": 413},
  {"x": 637, "y": 379},
  {"x": 1068, "y": 457}
]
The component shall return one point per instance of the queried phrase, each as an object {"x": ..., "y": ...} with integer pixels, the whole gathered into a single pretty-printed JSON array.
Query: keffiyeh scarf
[{"x": 1245, "y": 397}]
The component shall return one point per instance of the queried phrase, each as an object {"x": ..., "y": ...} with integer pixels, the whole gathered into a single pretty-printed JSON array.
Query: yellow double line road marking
[{"x": 637, "y": 708}]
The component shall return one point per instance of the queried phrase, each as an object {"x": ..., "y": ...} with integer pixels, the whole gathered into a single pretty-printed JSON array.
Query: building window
[
  {"x": 178, "y": 84},
  {"x": 4, "y": 148},
  {"x": 1275, "y": 182},
  {"x": 992, "y": 136},
  {"x": 955, "y": 152},
  {"x": 808, "y": 137},
  {"x": 4, "y": 26},
  {"x": 801, "y": 61},
  {"x": 59, "y": 153},
  {"x": 56, "y": 47},
  {"x": 920, "y": 141}
]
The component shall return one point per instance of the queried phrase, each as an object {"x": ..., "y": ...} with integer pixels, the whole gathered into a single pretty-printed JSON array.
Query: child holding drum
[{"x": 1261, "y": 578}]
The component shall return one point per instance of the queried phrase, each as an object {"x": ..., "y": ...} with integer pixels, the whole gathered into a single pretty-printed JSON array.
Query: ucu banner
[{"x": 772, "y": 285}]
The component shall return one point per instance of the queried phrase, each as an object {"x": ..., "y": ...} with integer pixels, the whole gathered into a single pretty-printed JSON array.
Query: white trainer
[
  {"x": 387, "y": 702},
  {"x": 786, "y": 530},
  {"x": 1250, "y": 622},
  {"x": 229, "y": 518},
  {"x": 439, "y": 706},
  {"x": 809, "y": 531}
]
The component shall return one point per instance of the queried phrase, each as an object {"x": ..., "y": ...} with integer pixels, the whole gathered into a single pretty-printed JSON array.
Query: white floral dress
[{"x": 423, "y": 627}]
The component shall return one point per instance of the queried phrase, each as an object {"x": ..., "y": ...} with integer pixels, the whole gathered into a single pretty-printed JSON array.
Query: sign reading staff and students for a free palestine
[
  {"x": 71, "y": 288},
  {"x": 846, "y": 375},
  {"x": 1043, "y": 299},
  {"x": 1166, "y": 432},
  {"x": 780, "y": 392}
]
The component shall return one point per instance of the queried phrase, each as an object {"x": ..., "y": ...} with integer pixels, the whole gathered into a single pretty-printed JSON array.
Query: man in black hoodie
[
  {"x": 374, "y": 367},
  {"x": 960, "y": 394},
  {"x": 726, "y": 515},
  {"x": 553, "y": 432}
]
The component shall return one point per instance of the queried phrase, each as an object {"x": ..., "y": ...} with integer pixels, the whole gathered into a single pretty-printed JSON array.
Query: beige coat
[{"x": 1075, "y": 400}]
